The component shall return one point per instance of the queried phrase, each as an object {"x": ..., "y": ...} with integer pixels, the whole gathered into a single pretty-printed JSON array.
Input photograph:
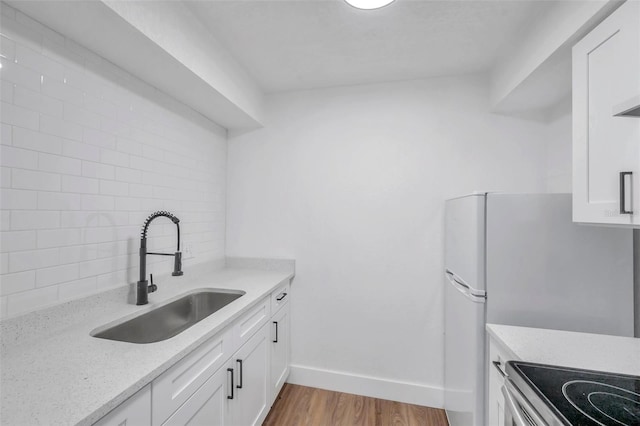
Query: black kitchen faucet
[{"x": 144, "y": 288}]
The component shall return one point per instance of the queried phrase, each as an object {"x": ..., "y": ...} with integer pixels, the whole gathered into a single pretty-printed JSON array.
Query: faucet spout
[{"x": 143, "y": 288}]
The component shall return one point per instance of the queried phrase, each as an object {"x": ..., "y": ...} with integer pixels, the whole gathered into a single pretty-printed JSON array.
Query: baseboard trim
[{"x": 374, "y": 387}]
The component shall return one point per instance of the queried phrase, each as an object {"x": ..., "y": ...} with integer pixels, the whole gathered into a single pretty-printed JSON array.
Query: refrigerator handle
[
  {"x": 477, "y": 296},
  {"x": 452, "y": 277}
]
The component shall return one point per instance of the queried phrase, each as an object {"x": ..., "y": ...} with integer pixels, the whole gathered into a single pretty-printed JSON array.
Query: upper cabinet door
[{"x": 606, "y": 148}]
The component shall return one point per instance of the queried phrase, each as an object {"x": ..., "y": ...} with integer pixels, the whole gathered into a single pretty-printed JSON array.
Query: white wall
[
  {"x": 87, "y": 153},
  {"x": 351, "y": 182},
  {"x": 559, "y": 149}
]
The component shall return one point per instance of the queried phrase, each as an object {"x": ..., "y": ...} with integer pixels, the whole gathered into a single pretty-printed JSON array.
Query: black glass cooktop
[{"x": 581, "y": 397}]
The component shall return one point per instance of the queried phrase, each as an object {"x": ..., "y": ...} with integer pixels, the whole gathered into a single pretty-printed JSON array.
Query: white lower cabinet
[
  {"x": 280, "y": 347},
  {"x": 231, "y": 380},
  {"x": 208, "y": 406},
  {"x": 498, "y": 356},
  {"x": 250, "y": 367},
  {"x": 134, "y": 411}
]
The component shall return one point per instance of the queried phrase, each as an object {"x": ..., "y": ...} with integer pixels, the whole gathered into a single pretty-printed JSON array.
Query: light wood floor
[{"x": 300, "y": 405}]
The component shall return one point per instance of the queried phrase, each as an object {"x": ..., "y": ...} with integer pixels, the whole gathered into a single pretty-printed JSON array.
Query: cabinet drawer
[
  {"x": 251, "y": 321},
  {"x": 280, "y": 296},
  {"x": 134, "y": 411},
  {"x": 177, "y": 384}
]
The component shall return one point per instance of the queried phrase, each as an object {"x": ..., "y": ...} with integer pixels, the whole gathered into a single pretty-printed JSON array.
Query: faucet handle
[{"x": 152, "y": 286}]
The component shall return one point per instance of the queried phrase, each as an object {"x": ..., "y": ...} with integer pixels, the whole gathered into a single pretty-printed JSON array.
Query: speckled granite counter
[
  {"x": 54, "y": 372},
  {"x": 570, "y": 349}
]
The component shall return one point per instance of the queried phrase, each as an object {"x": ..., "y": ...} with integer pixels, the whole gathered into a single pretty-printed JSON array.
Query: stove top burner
[
  {"x": 577, "y": 397},
  {"x": 594, "y": 400}
]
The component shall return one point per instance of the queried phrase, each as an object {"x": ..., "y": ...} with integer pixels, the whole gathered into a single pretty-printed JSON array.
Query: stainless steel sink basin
[{"x": 170, "y": 319}]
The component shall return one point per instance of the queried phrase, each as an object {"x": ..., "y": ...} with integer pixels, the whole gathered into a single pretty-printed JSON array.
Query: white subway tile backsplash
[
  {"x": 7, "y": 48},
  {"x": 6, "y": 89},
  {"x": 29, "y": 139},
  {"x": 34, "y": 219},
  {"x": 129, "y": 146},
  {"x": 114, "y": 218},
  {"x": 17, "y": 157},
  {"x": 15, "y": 283},
  {"x": 19, "y": 75},
  {"x": 11, "y": 199},
  {"x": 140, "y": 163},
  {"x": 62, "y": 91},
  {"x": 98, "y": 170},
  {"x": 18, "y": 116},
  {"x": 80, "y": 219},
  {"x": 114, "y": 157},
  {"x": 37, "y": 102},
  {"x": 17, "y": 240},
  {"x": 32, "y": 259},
  {"x": 75, "y": 254},
  {"x": 88, "y": 152},
  {"x": 57, "y": 274},
  {"x": 78, "y": 288},
  {"x": 6, "y": 134},
  {"x": 26, "y": 301},
  {"x": 97, "y": 267},
  {"x": 124, "y": 174},
  {"x": 58, "y": 127},
  {"x": 27, "y": 179},
  {"x": 110, "y": 187},
  {"x": 59, "y": 201},
  {"x": 100, "y": 106},
  {"x": 5, "y": 220},
  {"x": 59, "y": 237},
  {"x": 99, "y": 138},
  {"x": 36, "y": 61},
  {"x": 79, "y": 115},
  {"x": 82, "y": 185},
  {"x": 59, "y": 164},
  {"x": 97, "y": 202}
]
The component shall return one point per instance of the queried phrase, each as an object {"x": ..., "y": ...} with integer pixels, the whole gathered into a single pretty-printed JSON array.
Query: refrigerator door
[
  {"x": 464, "y": 310},
  {"x": 464, "y": 239},
  {"x": 464, "y": 355},
  {"x": 545, "y": 271}
]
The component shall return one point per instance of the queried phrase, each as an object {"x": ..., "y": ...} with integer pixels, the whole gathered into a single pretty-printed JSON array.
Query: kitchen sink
[{"x": 170, "y": 319}]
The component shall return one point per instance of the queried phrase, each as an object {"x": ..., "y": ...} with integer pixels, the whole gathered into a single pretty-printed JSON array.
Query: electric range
[{"x": 541, "y": 395}]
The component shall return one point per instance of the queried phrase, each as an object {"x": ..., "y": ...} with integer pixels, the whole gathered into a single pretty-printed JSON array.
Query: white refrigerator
[{"x": 518, "y": 259}]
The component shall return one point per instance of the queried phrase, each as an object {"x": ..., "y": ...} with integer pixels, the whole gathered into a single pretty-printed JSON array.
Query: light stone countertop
[
  {"x": 598, "y": 352},
  {"x": 54, "y": 372}
]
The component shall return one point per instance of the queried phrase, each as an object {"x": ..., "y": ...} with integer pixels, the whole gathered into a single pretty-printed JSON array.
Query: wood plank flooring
[{"x": 304, "y": 406}]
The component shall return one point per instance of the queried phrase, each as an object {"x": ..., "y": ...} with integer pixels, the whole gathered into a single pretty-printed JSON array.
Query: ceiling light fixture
[{"x": 368, "y": 4}]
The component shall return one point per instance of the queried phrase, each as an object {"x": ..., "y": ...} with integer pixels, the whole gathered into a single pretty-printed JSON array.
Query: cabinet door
[
  {"x": 280, "y": 347},
  {"x": 251, "y": 370},
  {"x": 134, "y": 411},
  {"x": 606, "y": 73},
  {"x": 209, "y": 406}
]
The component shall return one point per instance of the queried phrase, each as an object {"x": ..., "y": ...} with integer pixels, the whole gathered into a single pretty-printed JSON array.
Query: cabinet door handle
[
  {"x": 496, "y": 364},
  {"x": 276, "y": 323},
  {"x": 282, "y": 296},
  {"x": 623, "y": 193},
  {"x": 230, "y": 370},
  {"x": 239, "y": 386}
]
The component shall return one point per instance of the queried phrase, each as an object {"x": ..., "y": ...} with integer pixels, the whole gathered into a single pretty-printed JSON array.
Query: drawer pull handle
[
  {"x": 276, "y": 323},
  {"x": 282, "y": 296},
  {"x": 239, "y": 386},
  {"x": 623, "y": 193},
  {"x": 230, "y": 370},
  {"x": 496, "y": 364}
]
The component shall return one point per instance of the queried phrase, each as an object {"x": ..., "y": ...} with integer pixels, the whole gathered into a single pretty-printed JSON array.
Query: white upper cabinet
[{"x": 606, "y": 147}]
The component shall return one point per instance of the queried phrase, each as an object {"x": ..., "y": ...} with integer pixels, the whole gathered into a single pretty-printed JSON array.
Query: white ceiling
[{"x": 301, "y": 44}]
